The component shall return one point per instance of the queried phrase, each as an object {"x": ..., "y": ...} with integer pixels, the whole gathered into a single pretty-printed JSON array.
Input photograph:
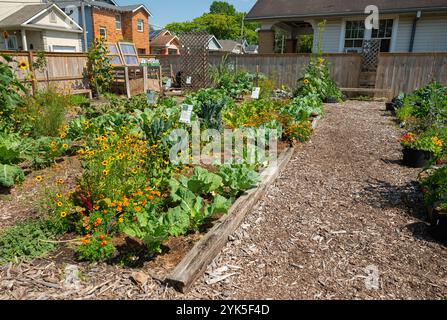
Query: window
[
  {"x": 129, "y": 53},
  {"x": 141, "y": 51},
  {"x": 53, "y": 18},
  {"x": 103, "y": 32},
  {"x": 11, "y": 43},
  {"x": 114, "y": 54},
  {"x": 140, "y": 25},
  {"x": 384, "y": 33},
  {"x": 354, "y": 34},
  {"x": 64, "y": 49},
  {"x": 118, "y": 22}
]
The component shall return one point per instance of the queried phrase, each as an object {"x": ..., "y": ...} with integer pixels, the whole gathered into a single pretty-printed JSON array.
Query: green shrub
[{"x": 43, "y": 114}]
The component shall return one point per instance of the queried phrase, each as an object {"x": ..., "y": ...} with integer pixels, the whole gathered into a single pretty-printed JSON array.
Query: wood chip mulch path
[{"x": 344, "y": 221}]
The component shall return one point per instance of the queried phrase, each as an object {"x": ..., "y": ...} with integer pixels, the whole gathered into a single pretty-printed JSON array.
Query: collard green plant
[
  {"x": 10, "y": 175},
  {"x": 238, "y": 177}
]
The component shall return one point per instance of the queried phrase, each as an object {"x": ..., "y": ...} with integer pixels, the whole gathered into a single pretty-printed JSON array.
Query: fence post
[
  {"x": 31, "y": 69},
  {"x": 126, "y": 80},
  {"x": 145, "y": 82}
]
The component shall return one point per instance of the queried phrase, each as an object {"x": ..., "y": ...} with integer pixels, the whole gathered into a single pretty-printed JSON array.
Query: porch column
[
  {"x": 24, "y": 43},
  {"x": 266, "y": 41}
]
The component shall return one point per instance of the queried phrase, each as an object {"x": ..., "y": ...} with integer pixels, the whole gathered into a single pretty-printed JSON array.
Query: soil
[{"x": 345, "y": 220}]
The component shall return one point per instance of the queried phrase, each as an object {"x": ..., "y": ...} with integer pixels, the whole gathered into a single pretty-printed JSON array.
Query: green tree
[
  {"x": 222, "y": 7},
  {"x": 223, "y": 21}
]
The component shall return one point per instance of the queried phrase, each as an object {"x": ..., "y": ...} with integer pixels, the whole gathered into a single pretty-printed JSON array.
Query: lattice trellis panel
[
  {"x": 370, "y": 54},
  {"x": 194, "y": 58}
]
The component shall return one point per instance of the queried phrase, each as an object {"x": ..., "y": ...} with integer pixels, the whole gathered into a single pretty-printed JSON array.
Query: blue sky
[{"x": 166, "y": 11}]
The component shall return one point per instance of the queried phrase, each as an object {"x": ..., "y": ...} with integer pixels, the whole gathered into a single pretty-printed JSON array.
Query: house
[
  {"x": 107, "y": 19},
  {"x": 163, "y": 42},
  {"x": 404, "y": 26},
  {"x": 232, "y": 46},
  {"x": 252, "y": 49},
  {"x": 39, "y": 27},
  {"x": 214, "y": 44}
]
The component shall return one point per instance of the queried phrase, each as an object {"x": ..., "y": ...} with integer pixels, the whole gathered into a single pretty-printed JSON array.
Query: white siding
[
  {"x": 431, "y": 34},
  {"x": 34, "y": 38},
  {"x": 331, "y": 36},
  {"x": 61, "y": 38},
  {"x": 403, "y": 34},
  {"x": 61, "y": 21}
]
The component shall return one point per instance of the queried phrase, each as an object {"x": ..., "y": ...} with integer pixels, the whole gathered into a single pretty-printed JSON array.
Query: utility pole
[{"x": 84, "y": 27}]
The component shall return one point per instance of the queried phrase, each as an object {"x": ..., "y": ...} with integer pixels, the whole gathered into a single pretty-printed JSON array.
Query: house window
[
  {"x": 141, "y": 51},
  {"x": 384, "y": 33},
  {"x": 140, "y": 25},
  {"x": 172, "y": 51},
  {"x": 53, "y": 18},
  {"x": 354, "y": 34},
  {"x": 118, "y": 22},
  {"x": 103, "y": 32},
  {"x": 11, "y": 43}
]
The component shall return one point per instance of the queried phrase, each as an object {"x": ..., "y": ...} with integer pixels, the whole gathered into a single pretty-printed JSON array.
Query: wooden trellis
[
  {"x": 194, "y": 60},
  {"x": 370, "y": 54}
]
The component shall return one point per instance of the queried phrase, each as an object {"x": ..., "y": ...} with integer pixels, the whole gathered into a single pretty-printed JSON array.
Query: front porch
[{"x": 22, "y": 40}]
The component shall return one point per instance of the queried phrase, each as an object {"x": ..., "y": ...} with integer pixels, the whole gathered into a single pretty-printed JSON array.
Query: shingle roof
[
  {"x": 162, "y": 41},
  {"x": 104, "y": 5},
  {"x": 301, "y": 8},
  {"x": 229, "y": 45},
  {"x": 24, "y": 14}
]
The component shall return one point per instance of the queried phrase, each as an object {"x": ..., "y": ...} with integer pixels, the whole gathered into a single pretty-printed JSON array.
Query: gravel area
[{"x": 344, "y": 221}]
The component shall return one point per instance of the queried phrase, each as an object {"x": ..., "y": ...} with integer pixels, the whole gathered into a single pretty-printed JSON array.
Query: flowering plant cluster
[{"x": 99, "y": 68}]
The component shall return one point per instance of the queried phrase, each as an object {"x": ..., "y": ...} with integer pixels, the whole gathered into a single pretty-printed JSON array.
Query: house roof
[
  {"x": 28, "y": 13},
  {"x": 105, "y": 5},
  {"x": 270, "y": 9},
  {"x": 23, "y": 15},
  {"x": 162, "y": 41},
  {"x": 229, "y": 45}
]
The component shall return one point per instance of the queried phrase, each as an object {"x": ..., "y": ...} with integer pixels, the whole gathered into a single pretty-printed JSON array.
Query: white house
[
  {"x": 38, "y": 27},
  {"x": 405, "y": 26}
]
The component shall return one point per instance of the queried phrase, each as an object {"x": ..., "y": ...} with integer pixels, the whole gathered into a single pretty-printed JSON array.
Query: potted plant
[{"x": 418, "y": 151}]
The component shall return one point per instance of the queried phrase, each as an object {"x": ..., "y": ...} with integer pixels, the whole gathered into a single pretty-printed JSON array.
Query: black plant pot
[
  {"x": 331, "y": 100},
  {"x": 344, "y": 97},
  {"x": 439, "y": 226},
  {"x": 416, "y": 158},
  {"x": 390, "y": 106}
]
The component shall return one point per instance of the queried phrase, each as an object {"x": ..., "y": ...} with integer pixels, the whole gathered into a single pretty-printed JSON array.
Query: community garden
[{"x": 93, "y": 177}]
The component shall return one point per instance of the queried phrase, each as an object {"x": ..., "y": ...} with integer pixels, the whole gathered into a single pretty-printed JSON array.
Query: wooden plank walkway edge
[{"x": 202, "y": 254}]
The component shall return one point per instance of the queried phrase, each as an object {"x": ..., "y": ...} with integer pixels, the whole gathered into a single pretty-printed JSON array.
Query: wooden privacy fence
[
  {"x": 405, "y": 72},
  {"x": 400, "y": 72},
  {"x": 64, "y": 71},
  {"x": 284, "y": 69}
]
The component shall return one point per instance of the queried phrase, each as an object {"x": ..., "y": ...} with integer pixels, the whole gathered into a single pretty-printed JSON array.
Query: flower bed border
[{"x": 194, "y": 264}]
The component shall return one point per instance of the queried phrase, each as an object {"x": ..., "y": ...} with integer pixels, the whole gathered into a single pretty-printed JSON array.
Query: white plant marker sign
[
  {"x": 255, "y": 93},
  {"x": 185, "y": 117},
  {"x": 150, "y": 97},
  {"x": 189, "y": 80},
  {"x": 168, "y": 83}
]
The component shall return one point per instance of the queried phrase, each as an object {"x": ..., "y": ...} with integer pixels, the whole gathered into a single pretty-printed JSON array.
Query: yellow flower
[
  {"x": 321, "y": 60},
  {"x": 62, "y": 135},
  {"x": 105, "y": 163},
  {"x": 60, "y": 204},
  {"x": 63, "y": 214},
  {"x": 306, "y": 81},
  {"x": 59, "y": 195},
  {"x": 134, "y": 170},
  {"x": 60, "y": 181},
  {"x": 23, "y": 65},
  {"x": 38, "y": 178},
  {"x": 65, "y": 146},
  {"x": 105, "y": 172}
]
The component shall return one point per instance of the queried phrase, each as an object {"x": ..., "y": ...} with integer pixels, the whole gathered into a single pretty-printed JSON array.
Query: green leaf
[
  {"x": 203, "y": 181},
  {"x": 178, "y": 221},
  {"x": 9, "y": 175},
  {"x": 219, "y": 205}
]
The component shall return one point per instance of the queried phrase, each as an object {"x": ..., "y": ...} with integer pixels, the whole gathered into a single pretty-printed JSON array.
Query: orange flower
[{"x": 137, "y": 209}]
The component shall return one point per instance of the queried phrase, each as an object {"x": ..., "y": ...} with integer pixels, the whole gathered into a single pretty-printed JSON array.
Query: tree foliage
[{"x": 223, "y": 21}]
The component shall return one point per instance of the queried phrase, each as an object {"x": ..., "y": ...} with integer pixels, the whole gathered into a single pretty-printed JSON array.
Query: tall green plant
[
  {"x": 10, "y": 92},
  {"x": 99, "y": 68}
]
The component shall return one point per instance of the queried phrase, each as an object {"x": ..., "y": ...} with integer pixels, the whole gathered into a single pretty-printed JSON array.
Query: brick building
[{"x": 116, "y": 23}]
